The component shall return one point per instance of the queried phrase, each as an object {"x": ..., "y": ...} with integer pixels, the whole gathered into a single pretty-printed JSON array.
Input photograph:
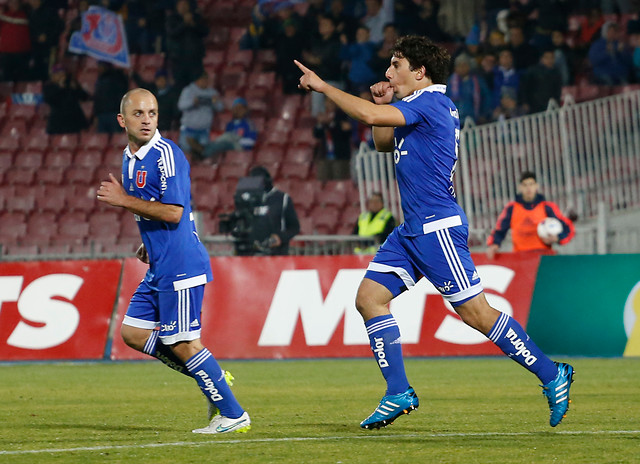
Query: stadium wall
[{"x": 302, "y": 307}]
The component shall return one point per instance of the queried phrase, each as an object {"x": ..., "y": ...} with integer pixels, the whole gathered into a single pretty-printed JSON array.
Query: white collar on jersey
[
  {"x": 144, "y": 149},
  {"x": 436, "y": 88}
]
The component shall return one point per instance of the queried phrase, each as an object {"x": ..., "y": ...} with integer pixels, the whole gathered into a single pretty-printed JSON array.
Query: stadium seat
[
  {"x": 28, "y": 159},
  {"x": 214, "y": 58},
  {"x": 349, "y": 215},
  {"x": 104, "y": 227},
  {"x": 19, "y": 176},
  {"x": 40, "y": 228},
  {"x": 54, "y": 199},
  {"x": 244, "y": 157},
  {"x": 333, "y": 198},
  {"x": 269, "y": 154},
  {"x": 303, "y": 195},
  {"x": 23, "y": 203},
  {"x": 295, "y": 170},
  {"x": 232, "y": 80},
  {"x": 232, "y": 171},
  {"x": 218, "y": 38},
  {"x": 24, "y": 112},
  {"x": 129, "y": 231},
  {"x": 39, "y": 143},
  {"x": 60, "y": 158},
  {"x": 21, "y": 250},
  {"x": 14, "y": 128},
  {"x": 266, "y": 79},
  {"x": 83, "y": 200},
  {"x": 118, "y": 249},
  {"x": 258, "y": 107},
  {"x": 306, "y": 225},
  {"x": 265, "y": 60},
  {"x": 9, "y": 144},
  {"x": 118, "y": 142},
  {"x": 55, "y": 250},
  {"x": 80, "y": 175},
  {"x": 12, "y": 226},
  {"x": 203, "y": 173},
  {"x": 64, "y": 142},
  {"x": 85, "y": 157},
  {"x": 325, "y": 216},
  {"x": 243, "y": 58},
  {"x": 6, "y": 160},
  {"x": 73, "y": 228},
  {"x": 299, "y": 155}
]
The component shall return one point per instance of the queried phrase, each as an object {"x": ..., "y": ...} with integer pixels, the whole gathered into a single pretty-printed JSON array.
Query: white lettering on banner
[
  {"x": 299, "y": 296},
  {"x": 493, "y": 277},
  {"x": 60, "y": 319}
]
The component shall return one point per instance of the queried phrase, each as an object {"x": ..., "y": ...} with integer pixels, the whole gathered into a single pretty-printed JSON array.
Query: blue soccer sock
[
  {"x": 511, "y": 338},
  {"x": 164, "y": 354},
  {"x": 384, "y": 336},
  {"x": 210, "y": 377}
]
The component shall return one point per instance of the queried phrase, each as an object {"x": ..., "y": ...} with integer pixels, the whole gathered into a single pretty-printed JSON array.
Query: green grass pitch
[{"x": 484, "y": 410}]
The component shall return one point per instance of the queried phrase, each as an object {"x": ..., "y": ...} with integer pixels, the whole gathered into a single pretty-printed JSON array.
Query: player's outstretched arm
[
  {"x": 359, "y": 109},
  {"x": 112, "y": 193}
]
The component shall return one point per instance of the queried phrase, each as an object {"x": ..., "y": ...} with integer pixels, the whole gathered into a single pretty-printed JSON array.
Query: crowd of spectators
[{"x": 509, "y": 57}]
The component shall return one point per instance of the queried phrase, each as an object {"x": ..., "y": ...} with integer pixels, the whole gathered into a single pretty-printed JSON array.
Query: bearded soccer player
[
  {"x": 422, "y": 129},
  {"x": 163, "y": 318}
]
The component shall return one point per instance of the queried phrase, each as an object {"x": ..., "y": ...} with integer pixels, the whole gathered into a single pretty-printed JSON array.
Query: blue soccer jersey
[
  {"x": 159, "y": 171},
  {"x": 425, "y": 154}
]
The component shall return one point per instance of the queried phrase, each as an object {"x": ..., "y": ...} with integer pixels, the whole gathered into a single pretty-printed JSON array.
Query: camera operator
[{"x": 263, "y": 225}]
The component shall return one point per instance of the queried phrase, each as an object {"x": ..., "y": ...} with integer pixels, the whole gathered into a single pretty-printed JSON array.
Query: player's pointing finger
[{"x": 302, "y": 67}]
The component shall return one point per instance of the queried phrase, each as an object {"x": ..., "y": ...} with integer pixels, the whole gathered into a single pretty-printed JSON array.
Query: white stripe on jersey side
[
  {"x": 378, "y": 326},
  {"x": 150, "y": 345},
  {"x": 498, "y": 328},
  {"x": 414, "y": 95},
  {"x": 198, "y": 359},
  {"x": 167, "y": 158},
  {"x": 451, "y": 256}
]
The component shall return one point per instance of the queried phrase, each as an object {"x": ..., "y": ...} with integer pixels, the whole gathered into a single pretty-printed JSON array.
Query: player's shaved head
[{"x": 128, "y": 97}]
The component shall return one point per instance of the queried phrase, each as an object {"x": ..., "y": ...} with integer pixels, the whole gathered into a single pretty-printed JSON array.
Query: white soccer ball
[{"x": 549, "y": 227}]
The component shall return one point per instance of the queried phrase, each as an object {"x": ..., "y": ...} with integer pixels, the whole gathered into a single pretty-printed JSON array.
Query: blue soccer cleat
[
  {"x": 557, "y": 393},
  {"x": 391, "y": 407}
]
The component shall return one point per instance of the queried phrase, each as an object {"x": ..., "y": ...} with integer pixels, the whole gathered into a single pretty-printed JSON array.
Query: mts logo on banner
[
  {"x": 303, "y": 320},
  {"x": 298, "y": 295},
  {"x": 55, "y": 310}
]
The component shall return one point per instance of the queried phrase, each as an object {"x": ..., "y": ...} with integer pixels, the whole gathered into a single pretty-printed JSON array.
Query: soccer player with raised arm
[
  {"x": 422, "y": 129},
  {"x": 163, "y": 318}
]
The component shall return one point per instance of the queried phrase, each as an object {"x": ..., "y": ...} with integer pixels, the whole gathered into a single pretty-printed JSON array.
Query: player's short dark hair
[
  {"x": 421, "y": 51},
  {"x": 528, "y": 175}
]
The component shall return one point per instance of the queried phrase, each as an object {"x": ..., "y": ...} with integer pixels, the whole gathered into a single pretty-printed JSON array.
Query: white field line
[{"x": 372, "y": 436}]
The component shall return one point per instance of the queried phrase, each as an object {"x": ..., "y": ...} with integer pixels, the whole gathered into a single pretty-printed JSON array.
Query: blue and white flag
[{"x": 102, "y": 37}]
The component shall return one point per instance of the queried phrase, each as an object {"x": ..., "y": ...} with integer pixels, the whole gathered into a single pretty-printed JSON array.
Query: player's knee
[
  {"x": 478, "y": 314},
  {"x": 134, "y": 337}
]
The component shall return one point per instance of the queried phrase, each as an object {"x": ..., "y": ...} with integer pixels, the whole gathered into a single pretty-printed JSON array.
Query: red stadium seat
[
  {"x": 64, "y": 142},
  {"x": 214, "y": 58},
  {"x": 94, "y": 141},
  {"x": 54, "y": 199},
  {"x": 306, "y": 225},
  {"x": 40, "y": 143},
  {"x": 266, "y": 60},
  {"x": 14, "y": 128},
  {"x": 25, "y": 112},
  {"x": 303, "y": 195},
  {"x": 295, "y": 170},
  {"x": 203, "y": 173},
  {"x": 269, "y": 154},
  {"x": 21, "y": 250},
  {"x": 326, "y": 216},
  {"x": 150, "y": 60},
  {"x": 9, "y": 144},
  {"x": 61, "y": 158},
  {"x": 62, "y": 250},
  {"x": 6, "y": 160},
  {"x": 12, "y": 226},
  {"x": 20, "y": 176},
  {"x": 243, "y": 58},
  {"x": 243, "y": 157},
  {"x": 82, "y": 175},
  {"x": 84, "y": 199},
  {"x": 299, "y": 155},
  {"x": 232, "y": 171},
  {"x": 104, "y": 227},
  {"x": 40, "y": 228},
  {"x": 118, "y": 249},
  {"x": 265, "y": 80},
  {"x": 28, "y": 159},
  {"x": 73, "y": 228},
  {"x": 333, "y": 198},
  {"x": 88, "y": 158},
  {"x": 129, "y": 231}
]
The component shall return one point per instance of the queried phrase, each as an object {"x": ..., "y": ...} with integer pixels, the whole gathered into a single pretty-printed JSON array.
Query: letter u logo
[{"x": 141, "y": 179}]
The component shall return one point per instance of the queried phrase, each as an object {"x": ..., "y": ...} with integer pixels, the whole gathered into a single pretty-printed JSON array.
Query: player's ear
[
  {"x": 121, "y": 120},
  {"x": 420, "y": 73}
]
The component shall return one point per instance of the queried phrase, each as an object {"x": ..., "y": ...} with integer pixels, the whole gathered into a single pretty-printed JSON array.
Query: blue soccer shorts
[
  {"x": 175, "y": 313},
  {"x": 442, "y": 256}
]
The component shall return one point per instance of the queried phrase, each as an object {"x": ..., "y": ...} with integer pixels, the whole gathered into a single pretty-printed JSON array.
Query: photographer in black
[
  {"x": 265, "y": 219},
  {"x": 63, "y": 94}
]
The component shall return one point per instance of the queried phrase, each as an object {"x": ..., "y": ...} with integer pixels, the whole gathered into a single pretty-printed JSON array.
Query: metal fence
[{"x": 583, "y": 154}]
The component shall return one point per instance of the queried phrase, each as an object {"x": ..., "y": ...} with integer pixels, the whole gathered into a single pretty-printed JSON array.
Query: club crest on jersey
[{"x": 141, "y": 179}]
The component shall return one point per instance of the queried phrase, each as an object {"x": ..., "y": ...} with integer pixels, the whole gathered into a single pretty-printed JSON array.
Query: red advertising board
[
  {"x": 303, "y": 307},
  {"x": 56, "y": 309}
]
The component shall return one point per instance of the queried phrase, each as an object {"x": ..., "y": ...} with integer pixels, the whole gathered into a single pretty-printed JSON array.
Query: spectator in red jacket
[
  {"x": 522, "y": 217},
  {"x": 15, "y": 43}
]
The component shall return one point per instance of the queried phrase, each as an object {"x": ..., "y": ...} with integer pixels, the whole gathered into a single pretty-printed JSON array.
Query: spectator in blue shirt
[
  {"x": 239, "y": 134},
  {"x": 504, "y": 75},
  {"x": 610, "y": 60},
  {"x": 358, "y": 55},
  {"x": 469, "y": 92}
]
